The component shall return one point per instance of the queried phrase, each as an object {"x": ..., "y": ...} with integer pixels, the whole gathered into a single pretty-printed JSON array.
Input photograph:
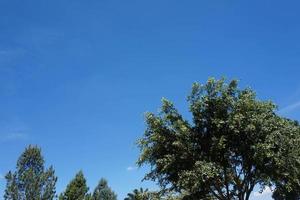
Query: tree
[
  {"x": 88, "y": 197},
  {"x": 31, "y": 180},
  {"x": 138, "y": 194},
  {"x": 145, "y": 194},
  {"x": 76, "y": 189},
  {"x": 103, "y": 191},
  {"x": 281, "y": 193},
  {"x": 232, "y": 143},
  {"x": 11, "y": 191}
]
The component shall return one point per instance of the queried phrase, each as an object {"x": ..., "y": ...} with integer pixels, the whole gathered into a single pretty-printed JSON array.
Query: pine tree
[
  {"x": 103, "y": 191},
  {"x": 76, "y": 189},
  {"x": 138, "y": 194},
  {"x": 11, "y": 191},
  {"x": 31, "y": 180}
]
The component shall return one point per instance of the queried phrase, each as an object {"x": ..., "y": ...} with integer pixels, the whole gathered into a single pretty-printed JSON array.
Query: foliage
[
  {"x": 282, "y": 193},
  {"x": 76, "y": 189},
  {"x": 233, "y": 143},
  {"x": 31, "y": 180},
  {"x": 138, "y": 194},
  {"x": 141, "y": 194},
  {"x": 103, "y": 191}
]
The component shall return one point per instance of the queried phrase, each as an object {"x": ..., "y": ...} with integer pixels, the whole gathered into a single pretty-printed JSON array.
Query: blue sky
[{"x": 76, "y": 77}]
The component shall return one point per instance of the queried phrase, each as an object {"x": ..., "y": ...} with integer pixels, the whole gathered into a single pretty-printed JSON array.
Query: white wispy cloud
[
  {"x": 290, "y": 108},
  {"x": 16, "y": 136},
  {"x": 13, "y": 136},
  {"x": 131, "y": 168},
  {"x": 13, "y": 130},
  {"x": 266, "y": 191}
]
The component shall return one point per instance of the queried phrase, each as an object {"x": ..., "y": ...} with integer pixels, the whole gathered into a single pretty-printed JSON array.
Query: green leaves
[
  {"x": 233, "y": 143},
  {"x": 139, "y": 194},
  {"x": 76, "y": 189},
  {"x": 31, "y": 180},
  {"x": 103, "y": 191}
]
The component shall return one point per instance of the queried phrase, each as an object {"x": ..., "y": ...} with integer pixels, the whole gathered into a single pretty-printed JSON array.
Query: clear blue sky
[{"x": 77, "y": 76}]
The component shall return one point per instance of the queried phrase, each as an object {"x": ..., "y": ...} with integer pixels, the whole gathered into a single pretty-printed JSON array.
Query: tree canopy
[
  {"x": 103, "y": 191},
  {"x": 31, "y": 180},
  {"x": 76, "y": 189},
  {"x": 145, "y": 194},
  {"x": 139, "y": 194},
  {"x": 232, "y": 143}
]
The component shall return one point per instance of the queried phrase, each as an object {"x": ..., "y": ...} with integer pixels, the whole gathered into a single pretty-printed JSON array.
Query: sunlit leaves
[{"x": 233, "y": 143}]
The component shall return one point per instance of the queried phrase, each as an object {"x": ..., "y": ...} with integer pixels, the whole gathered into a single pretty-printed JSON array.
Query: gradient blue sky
[{"x": 77, "y": 76}]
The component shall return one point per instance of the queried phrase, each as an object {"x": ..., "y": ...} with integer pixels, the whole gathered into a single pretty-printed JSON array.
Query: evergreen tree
[
  {"x": 139, "y": 194},
  {"x": 31, "y": 180},
  {"x": 145, "y": 194},
  {"x": 88, "y": 197},
  {"x": 103, "y": 191},
  {"x": 76, "y": 189},
  {"x": 11, "y": 191}
]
